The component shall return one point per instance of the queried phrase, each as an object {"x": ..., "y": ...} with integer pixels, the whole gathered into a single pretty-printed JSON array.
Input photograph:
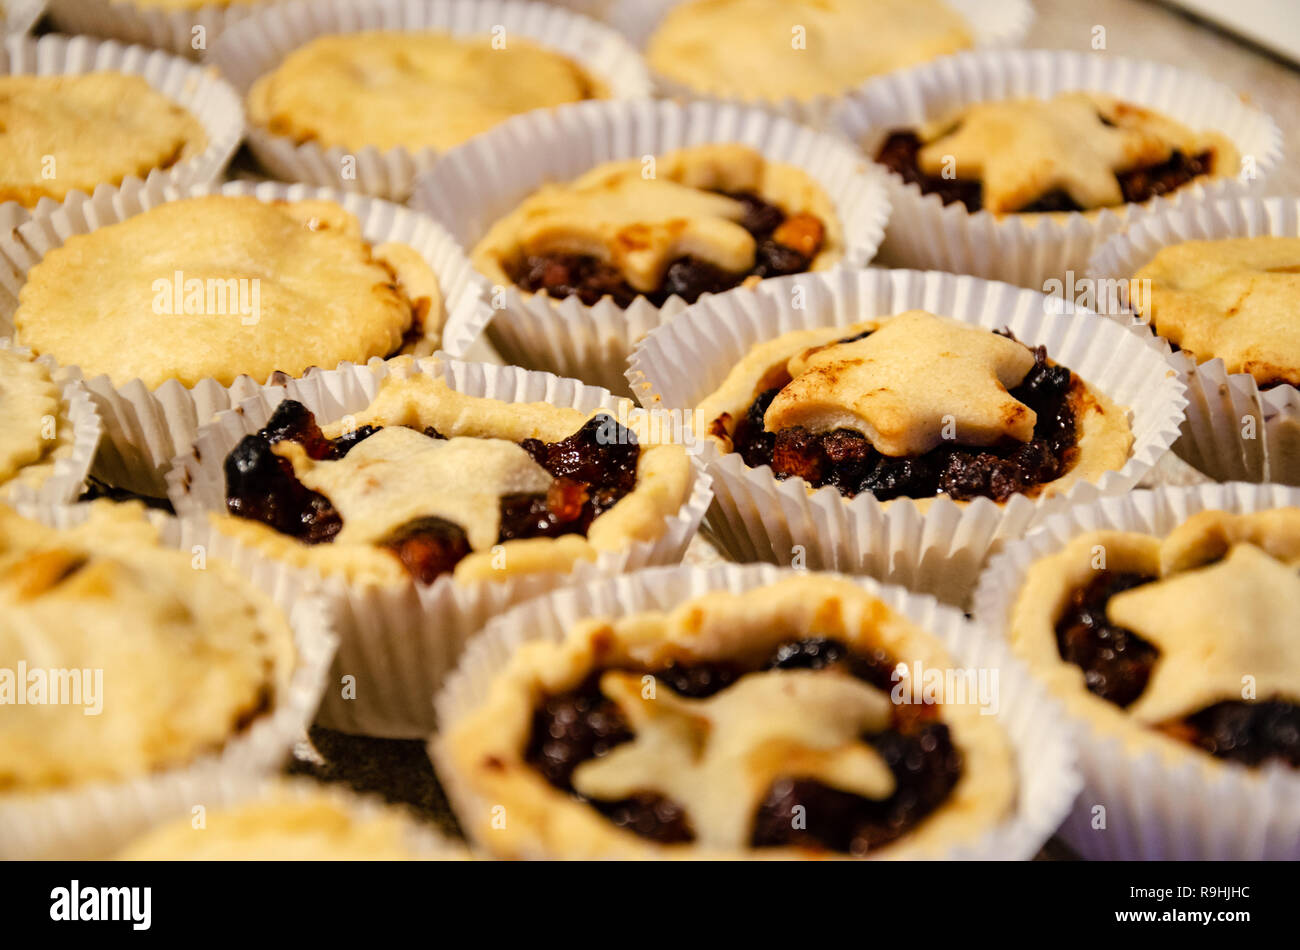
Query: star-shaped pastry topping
[
  {"x": 1213, "y": 626},
  {"x": 909, "y": 384},
  {"x": 717, "y": 757},
  {"x": 1023, "y": 149},
  {"x": 398, "y": 474},
  {"x": 1208, "y": 535}
]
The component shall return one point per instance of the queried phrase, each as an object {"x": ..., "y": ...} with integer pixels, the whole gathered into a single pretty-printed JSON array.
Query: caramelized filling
[
  {"x": 1117, "y": 665},
  {"x": 593, "y": 468},
  {"x": 784, "y": 245},
  {"x": 582, "y": 724},
  {"x": 901, "y": 154},
  {"x": 847, "y": 460}
]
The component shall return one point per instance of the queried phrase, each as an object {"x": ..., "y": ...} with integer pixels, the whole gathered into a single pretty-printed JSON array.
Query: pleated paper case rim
[
  {"x": 483, "y": 180},
  {"x": 145, "y": 429},
  {"x": 937, "y": 547},
  {"x": 1153, "y": 807},
  {"x": 1047, "y": 776},
  {"x": 1031, "y": 249},
  {"x": 398, "y": 642},
  {"x": 20, "y": 16},
  {"x": 185, "y": 32},
  {"x": 1235, "y": 431},
  {"x": 259, "y": 43}
]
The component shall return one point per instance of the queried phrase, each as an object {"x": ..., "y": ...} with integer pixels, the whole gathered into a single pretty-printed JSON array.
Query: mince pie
[
  {"x": 915, "y": 405},
  {"x": 799, "y": 49},
  {"x": 428, "y": 482},
  {"x": 1079, "y": 151},
  {"x": 768, "y": 723},
  {"x": 128, "y": 659},
  {"x": 1233, "y": 299},
  {"x": 222, "y": 286},
  {"x": 697, "y": 220},
  {"x": 60, "y": 134},
  {"x": 410, "y": 90},
  {"x": 1189, "y": 642},
  {"x": 289, "y": 822},
  {"x": 34, "y": 429}
]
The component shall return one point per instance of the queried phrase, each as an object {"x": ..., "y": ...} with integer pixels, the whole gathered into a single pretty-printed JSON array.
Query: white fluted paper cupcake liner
[
  {"x": 1156, "y": 807},
  {"x": 93, "y": 820},
  {"x": 145, "y": 429},
  {"x": 938, "y": 546},
  {"x": 234, "y": 791},
  {"x": 489, "y": 176},
  {"x": 399, "y": 642},
  {"x": 206, "y": 96},
  {"x": 69, "y": 468},
  {"x": 19, "y": 16},
  {"x": 992, "y": 23},
  {"x": 596, "y": 9},
  {"x": 12, "y": 215},
  {"x": 186, "y": 32},
  {"x": 257, "y": 45},
  {"x": 1234, "y": 431},
  {"x": 1031, "y": 249},
  {"x": 1047, "y": 777}
]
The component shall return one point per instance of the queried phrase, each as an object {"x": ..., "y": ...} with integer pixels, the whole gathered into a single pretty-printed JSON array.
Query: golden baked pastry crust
[
  {"x": 486, "y": 748},
  {"x": 640, "y": 216},
  {"x": 1233, "y": 299},
  {"x": 872, "y": 386},
  {"x": 416, "y": 400},
  {"x": 188, "y": 656},
  {"x": 70, "y": 133},
  {"x": 285, "y": 824},
  {"x": 1222, "y": 608},
  {"x": 409, "y": 89},
  {"x": 1025, "y": 149},
  {"x": 904, "y": 403},
  {"x": 317, "y": 294},
  {"x": 799, "y": 49},
  {"x": 33, "y": 426}
]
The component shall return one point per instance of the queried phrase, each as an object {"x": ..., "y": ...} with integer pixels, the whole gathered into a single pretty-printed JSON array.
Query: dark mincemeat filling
[
  {"x": 785, "y": 245},
  {"x": 593, "y": 468},
  {"x": 1117, "y": 665},
  {"x": 901, "y": 150},
  {"x": 846, "y": 459},
  {"x": 94, "y": 488},
  {"x": 582, "y": 724}
]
